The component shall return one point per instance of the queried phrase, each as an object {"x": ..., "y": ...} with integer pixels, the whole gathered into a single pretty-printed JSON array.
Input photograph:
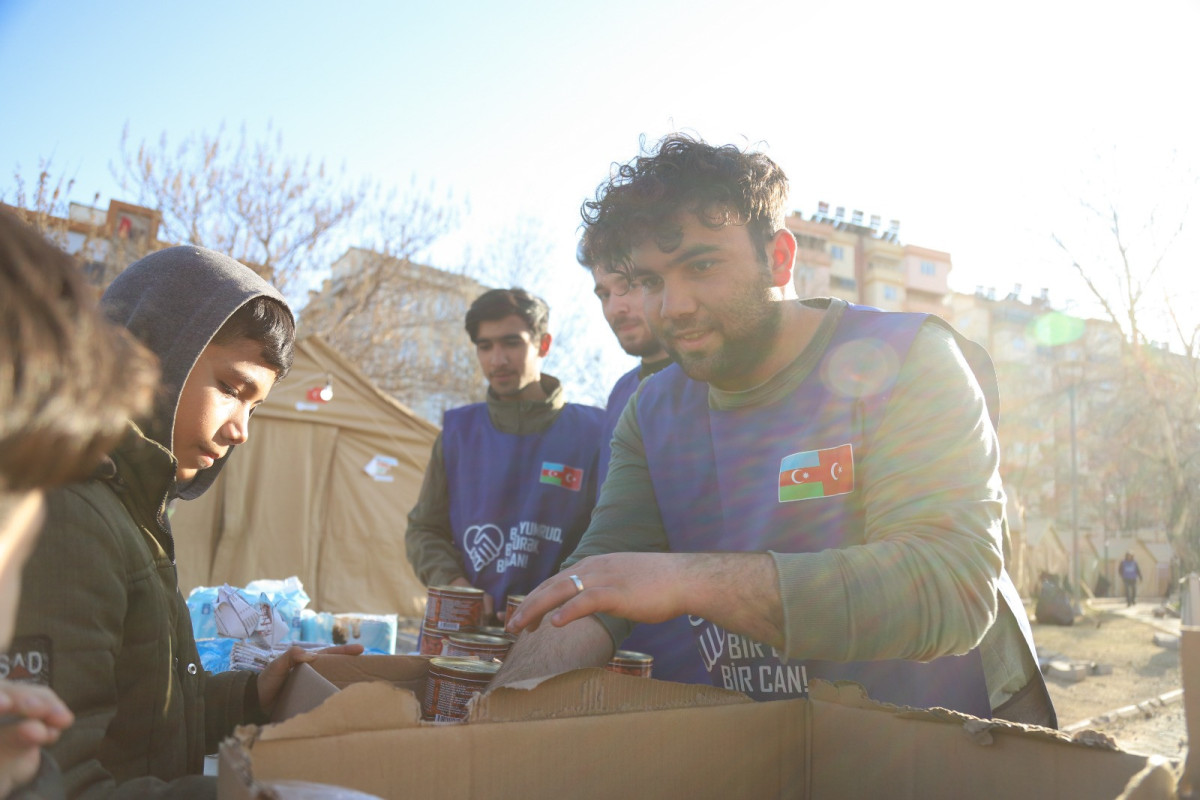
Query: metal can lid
[
  {"x": 479, "y": 639},
  {"x": 465, "y": 591},
  {"x": 472, "y": 667},
  {"x": 632, "y": 655},
  {"x": 515, "y": 599},
  {"x": 496, "y": 630}
]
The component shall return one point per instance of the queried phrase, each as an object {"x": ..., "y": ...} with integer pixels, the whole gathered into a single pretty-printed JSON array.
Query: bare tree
[
  {"x": 1149, "y": 409},
  {"x": 521, "y": 256},
  {"x": 95, "y": 238},
  {"x": 243, "y": 197}
]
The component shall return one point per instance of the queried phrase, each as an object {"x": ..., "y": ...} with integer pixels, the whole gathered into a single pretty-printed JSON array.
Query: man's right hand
[{"x": 40, "y": 716}]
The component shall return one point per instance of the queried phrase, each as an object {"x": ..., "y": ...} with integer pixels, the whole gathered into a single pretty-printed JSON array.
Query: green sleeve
[
  {"x": 626, "y": 517},
  {"x": 429, "y": 541},
  {"x": 924, "y": 582}
]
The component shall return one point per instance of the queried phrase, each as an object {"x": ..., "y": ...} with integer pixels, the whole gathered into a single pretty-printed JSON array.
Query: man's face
[
  {"x": 623, "y": 312},
  {"x": 710, "y": 302},
  {"x": 510, "y": 358},
  {"x": 224, "y": 387},
  {"x": 20, "y": 521}
]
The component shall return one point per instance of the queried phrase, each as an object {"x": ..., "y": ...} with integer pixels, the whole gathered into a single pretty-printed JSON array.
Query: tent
[{"x": 321, "y": 490}]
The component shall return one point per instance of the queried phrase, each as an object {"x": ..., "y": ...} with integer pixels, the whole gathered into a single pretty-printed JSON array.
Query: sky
[{"x": 980, "y": 127}]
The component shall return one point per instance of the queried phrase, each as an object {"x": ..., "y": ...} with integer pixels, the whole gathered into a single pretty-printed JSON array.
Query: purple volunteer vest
[
  {"x": 518, "y": 503},
  {"x": 671, "y": 643},
  {"x": 622, "y": 390},
  {"x": 782, "y": 478}
]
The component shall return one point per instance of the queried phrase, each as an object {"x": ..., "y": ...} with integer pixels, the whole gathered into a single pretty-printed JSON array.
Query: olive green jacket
[{"x": 101, "y": 603}]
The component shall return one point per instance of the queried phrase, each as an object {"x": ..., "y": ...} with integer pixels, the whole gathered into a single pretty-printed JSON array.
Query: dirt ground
[{"x": 1143, "y": 672}]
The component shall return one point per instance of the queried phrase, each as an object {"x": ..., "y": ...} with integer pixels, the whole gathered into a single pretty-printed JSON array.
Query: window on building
[
  {"x": 890, "y": 293},
  {"x": 837, "y": 281},
  {"x": 837, "y": 251},
  {"x": 928, "y": 268}
]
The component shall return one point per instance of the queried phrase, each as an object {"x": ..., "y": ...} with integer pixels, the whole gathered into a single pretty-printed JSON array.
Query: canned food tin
[
  {"x": 631, "y": 662},
  {"x": 510, "y": 605},
  {"x": 476, "y": 645},
  {"x": 432, "y": 641},
  {"x": 450, "y": 683},
  {"x": 454, "y": 608}
]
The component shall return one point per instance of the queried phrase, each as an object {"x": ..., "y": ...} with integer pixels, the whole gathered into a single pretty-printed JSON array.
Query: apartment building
[{"x": 857, "y": 259}]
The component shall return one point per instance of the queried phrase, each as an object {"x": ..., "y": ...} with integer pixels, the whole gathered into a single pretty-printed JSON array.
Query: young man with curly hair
[{"x": 815, "y": 483}]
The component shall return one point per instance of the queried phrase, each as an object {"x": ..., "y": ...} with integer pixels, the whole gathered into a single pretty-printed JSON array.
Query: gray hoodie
[{"x": 175, "y": 301}]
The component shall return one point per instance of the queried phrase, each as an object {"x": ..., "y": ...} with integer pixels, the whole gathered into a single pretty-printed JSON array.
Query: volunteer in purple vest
[
  {"x": 816, "y": 484},
  {"x": 512, "y": 480},
  {"x": 670, "y": 643}
]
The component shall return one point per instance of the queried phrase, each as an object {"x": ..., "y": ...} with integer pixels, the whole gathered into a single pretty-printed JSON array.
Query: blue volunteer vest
[
  {"x": 782, "y": 478},
  {"x": 671, "y": 643},
  {"x": 518, "y": 503}
]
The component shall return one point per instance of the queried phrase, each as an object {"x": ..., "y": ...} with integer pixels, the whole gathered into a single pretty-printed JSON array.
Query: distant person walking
[{"x": 1131, "y": 574}]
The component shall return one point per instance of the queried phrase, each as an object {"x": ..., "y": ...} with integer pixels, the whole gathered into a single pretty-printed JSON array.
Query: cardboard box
[{"x": 355, "y": 722}]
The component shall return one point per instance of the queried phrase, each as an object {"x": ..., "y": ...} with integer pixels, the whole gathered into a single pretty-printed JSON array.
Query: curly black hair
[{"x": 642, "y": 199}]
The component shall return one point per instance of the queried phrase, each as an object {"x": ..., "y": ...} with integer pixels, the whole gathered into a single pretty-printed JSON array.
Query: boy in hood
[
  {"x": 68, "y": 381},
  {"x": 102, "y": 618}
]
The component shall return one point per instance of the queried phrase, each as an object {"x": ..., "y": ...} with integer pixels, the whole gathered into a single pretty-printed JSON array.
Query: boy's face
[
  {"x": 20, "y": 520},
  {"x": 511, "y": 360},
  {"x": 222, "y": 390}
]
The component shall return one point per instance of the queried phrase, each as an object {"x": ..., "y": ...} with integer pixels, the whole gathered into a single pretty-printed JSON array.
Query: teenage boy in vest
[
  {"x": 68, "y": 381},
  {"x": 817, "y": 481},
  {"x": 101, "y": 613},
  {"x": 670, "y": 643},
  {"x": 511, "y": 481}
]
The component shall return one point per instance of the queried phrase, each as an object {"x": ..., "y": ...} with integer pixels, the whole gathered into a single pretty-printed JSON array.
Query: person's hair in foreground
[
  {"x": 498, "y": 304},
  {"x": 69, "y": 379},
  {"x": 643, "y": 198}
]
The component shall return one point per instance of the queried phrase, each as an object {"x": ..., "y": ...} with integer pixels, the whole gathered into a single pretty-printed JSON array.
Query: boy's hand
[
  {"x": 33, "y": 717},
  {"x": 275, "y": 674}
]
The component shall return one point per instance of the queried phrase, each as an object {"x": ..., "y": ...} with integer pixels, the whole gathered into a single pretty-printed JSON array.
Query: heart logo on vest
[{"x": 483, "y": 544}]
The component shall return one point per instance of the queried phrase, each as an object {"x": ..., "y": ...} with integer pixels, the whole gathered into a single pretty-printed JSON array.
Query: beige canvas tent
[{"x": 321, "y": 491}]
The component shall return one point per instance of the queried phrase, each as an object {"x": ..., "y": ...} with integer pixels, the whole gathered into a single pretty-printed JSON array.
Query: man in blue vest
[
  {"x": 817, "y": 484},
  {"x": 670, "y": 643},
  {"x": 512, "y": 480}
]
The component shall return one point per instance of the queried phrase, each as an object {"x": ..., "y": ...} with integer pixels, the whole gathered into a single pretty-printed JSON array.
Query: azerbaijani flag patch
[
  {"x": 816, "y": 473},
  {"x": 562, "y": 475}
]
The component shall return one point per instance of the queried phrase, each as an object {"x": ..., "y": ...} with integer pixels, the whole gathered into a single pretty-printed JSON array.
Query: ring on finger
[{"x": 578, "y": 583}]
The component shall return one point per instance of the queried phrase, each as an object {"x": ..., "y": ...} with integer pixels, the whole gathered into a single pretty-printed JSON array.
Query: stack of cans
[{"x": 457, "y": 611}]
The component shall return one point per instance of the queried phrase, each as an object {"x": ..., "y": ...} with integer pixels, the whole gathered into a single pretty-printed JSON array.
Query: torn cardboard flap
[
  {"x": 589, "y": 692},
  {"x": 370, "y": 706},
  {"x": 352, "y": 693}
]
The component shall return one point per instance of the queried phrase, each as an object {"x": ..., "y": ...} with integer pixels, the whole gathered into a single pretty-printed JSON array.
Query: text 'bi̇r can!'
[
  {"x": 631, "y": 662},
  {"x": 450, "y": 683},
  {"x": 454, "y": 608}
]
